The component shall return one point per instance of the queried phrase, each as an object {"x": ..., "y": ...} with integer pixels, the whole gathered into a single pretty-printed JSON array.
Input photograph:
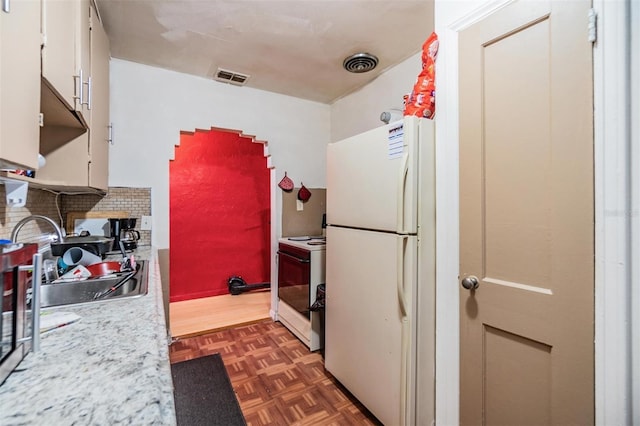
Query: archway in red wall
[{"x": 219, "y": 213}]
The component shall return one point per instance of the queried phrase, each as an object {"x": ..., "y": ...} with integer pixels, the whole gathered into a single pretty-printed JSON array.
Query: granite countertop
[{"x": 109, "y": 367}]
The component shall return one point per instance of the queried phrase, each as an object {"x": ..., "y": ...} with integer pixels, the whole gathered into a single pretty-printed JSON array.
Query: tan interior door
[{"x": 526, "y": 217}]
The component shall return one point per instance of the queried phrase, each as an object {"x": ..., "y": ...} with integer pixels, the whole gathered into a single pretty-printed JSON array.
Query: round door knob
[{"x": 470, "y": 282}]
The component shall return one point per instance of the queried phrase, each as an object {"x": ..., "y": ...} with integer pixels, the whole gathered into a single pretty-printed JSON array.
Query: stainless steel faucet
[{"x": 19, "y": 225}]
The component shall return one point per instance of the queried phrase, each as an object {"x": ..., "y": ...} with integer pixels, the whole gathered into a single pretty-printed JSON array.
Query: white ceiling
[{"x": 293, "y": 47}]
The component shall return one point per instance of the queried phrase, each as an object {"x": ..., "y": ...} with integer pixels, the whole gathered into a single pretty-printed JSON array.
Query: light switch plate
[
  {"x": 299, "y": 205},
  {"x": 145, "y": 223}
]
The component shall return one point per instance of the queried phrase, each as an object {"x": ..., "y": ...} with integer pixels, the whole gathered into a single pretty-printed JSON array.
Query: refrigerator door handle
[
  {"x": 400, "y": 274},
  {"x": 402, "y": 188},
  {"x": 404, "y": 350}
]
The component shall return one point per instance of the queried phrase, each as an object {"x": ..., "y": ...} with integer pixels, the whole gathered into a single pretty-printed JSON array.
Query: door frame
[
  {"x": 634, "y": 143},
  {"x": 615, "y": 244}
]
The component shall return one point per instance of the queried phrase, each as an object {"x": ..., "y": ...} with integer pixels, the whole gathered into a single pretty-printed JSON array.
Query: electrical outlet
[
  {"x": 145, "y": 223},
  {"x": 299, "y": 205}
]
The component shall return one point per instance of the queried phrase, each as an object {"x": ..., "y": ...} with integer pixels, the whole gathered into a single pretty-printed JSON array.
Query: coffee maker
[{"x": 122, "y": 231}]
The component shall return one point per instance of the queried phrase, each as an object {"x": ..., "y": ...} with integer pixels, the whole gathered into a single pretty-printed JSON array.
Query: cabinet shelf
[
  {"x": 49, "y": 185},
  {"x": 61, "y": 123}
]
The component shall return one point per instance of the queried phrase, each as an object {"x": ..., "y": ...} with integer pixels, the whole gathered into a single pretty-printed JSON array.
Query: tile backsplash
[
  {"x": 38, "y": 202},
  {"x": 135, "y": 201}
]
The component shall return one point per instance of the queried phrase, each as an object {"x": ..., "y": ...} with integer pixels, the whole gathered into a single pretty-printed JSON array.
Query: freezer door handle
[{"x": 402, "y": 189}]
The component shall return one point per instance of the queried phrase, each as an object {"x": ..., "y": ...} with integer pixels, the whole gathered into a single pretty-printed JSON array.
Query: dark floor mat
[{"x": 203, "y": 393}]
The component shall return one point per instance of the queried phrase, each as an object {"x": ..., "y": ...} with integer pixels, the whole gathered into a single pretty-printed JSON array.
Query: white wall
[
  {"x": 360, "y": 111},
  {"x": 150, "y": 106},
  {"x": 635, "y": 207},
  {"x": 617, "y": 345}
]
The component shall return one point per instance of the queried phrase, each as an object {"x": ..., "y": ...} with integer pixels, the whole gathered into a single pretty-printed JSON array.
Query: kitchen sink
[{"x": 92, "y": 290}]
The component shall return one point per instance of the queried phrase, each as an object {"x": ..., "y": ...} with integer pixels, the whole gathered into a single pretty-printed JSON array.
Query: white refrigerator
[{"x": 380, "y": 276}]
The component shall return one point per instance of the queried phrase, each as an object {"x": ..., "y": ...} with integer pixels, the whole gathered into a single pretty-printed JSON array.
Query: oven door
[{"x": 294, "y": 272}]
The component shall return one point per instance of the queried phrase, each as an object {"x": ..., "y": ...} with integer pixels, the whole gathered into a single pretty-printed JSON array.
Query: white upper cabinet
[
  {"x": 19, "y": 83},
  {"x": 83, "y": 57},
  {"x": 99, "y": 134},
  {"x": 66, "y": 59},
  {"x": 82, "y": 162}
]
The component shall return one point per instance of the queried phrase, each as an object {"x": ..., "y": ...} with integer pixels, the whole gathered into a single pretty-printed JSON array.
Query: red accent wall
[{"x": 219, "y": 214}]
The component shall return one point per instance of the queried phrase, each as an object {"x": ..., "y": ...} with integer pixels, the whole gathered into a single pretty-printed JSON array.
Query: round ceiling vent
[{"x": 360, "y": 62}]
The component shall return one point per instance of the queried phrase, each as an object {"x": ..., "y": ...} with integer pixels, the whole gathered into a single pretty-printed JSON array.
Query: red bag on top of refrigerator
[{"x": 422, "y": 100}]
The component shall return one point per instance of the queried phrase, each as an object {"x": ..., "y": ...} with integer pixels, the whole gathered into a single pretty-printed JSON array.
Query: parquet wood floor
[{"x": 277, "y": 380}]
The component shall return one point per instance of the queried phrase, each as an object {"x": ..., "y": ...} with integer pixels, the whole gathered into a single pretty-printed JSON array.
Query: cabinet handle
[
  {"x": 6, "y": 6},
  {"x": 36, "y": 302},
  {"x": 78, "y": 89},
  {"x": 297, "y": 259},
  {"x": 89, "y": 85},
  {"x": 110, "y": 137},
  {"x": 36, "y": 277}
]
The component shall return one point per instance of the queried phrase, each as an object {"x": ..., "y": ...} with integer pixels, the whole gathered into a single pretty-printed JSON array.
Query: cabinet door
[
  {"x": 83, "y": 56},
  {"x": 83, "y": 161},
  {"x": 20, "y": 83},
  {"x": 58, "y": 51},
  {"x": 68, "y": 164},
  {"x": 99, "y": 132},
  {"x": 66, "y": 51}
]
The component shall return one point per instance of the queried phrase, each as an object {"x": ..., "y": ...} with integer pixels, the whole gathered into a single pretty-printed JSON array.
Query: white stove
[
  {"x": 301, "y": 268},
  {"x": 306, "y": 243}
]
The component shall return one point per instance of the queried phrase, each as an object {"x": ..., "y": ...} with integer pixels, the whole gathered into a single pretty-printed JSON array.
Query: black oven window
[{"x": 293, "y": 282}]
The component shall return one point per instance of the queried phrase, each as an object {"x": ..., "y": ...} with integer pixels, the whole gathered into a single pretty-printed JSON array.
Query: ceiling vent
[
  {"x": 231, "y": 77},
  {"x": 360, "y": 62}
]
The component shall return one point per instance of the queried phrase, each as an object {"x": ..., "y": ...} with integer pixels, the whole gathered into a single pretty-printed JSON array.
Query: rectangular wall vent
[{"x": 231, "y": 77}]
